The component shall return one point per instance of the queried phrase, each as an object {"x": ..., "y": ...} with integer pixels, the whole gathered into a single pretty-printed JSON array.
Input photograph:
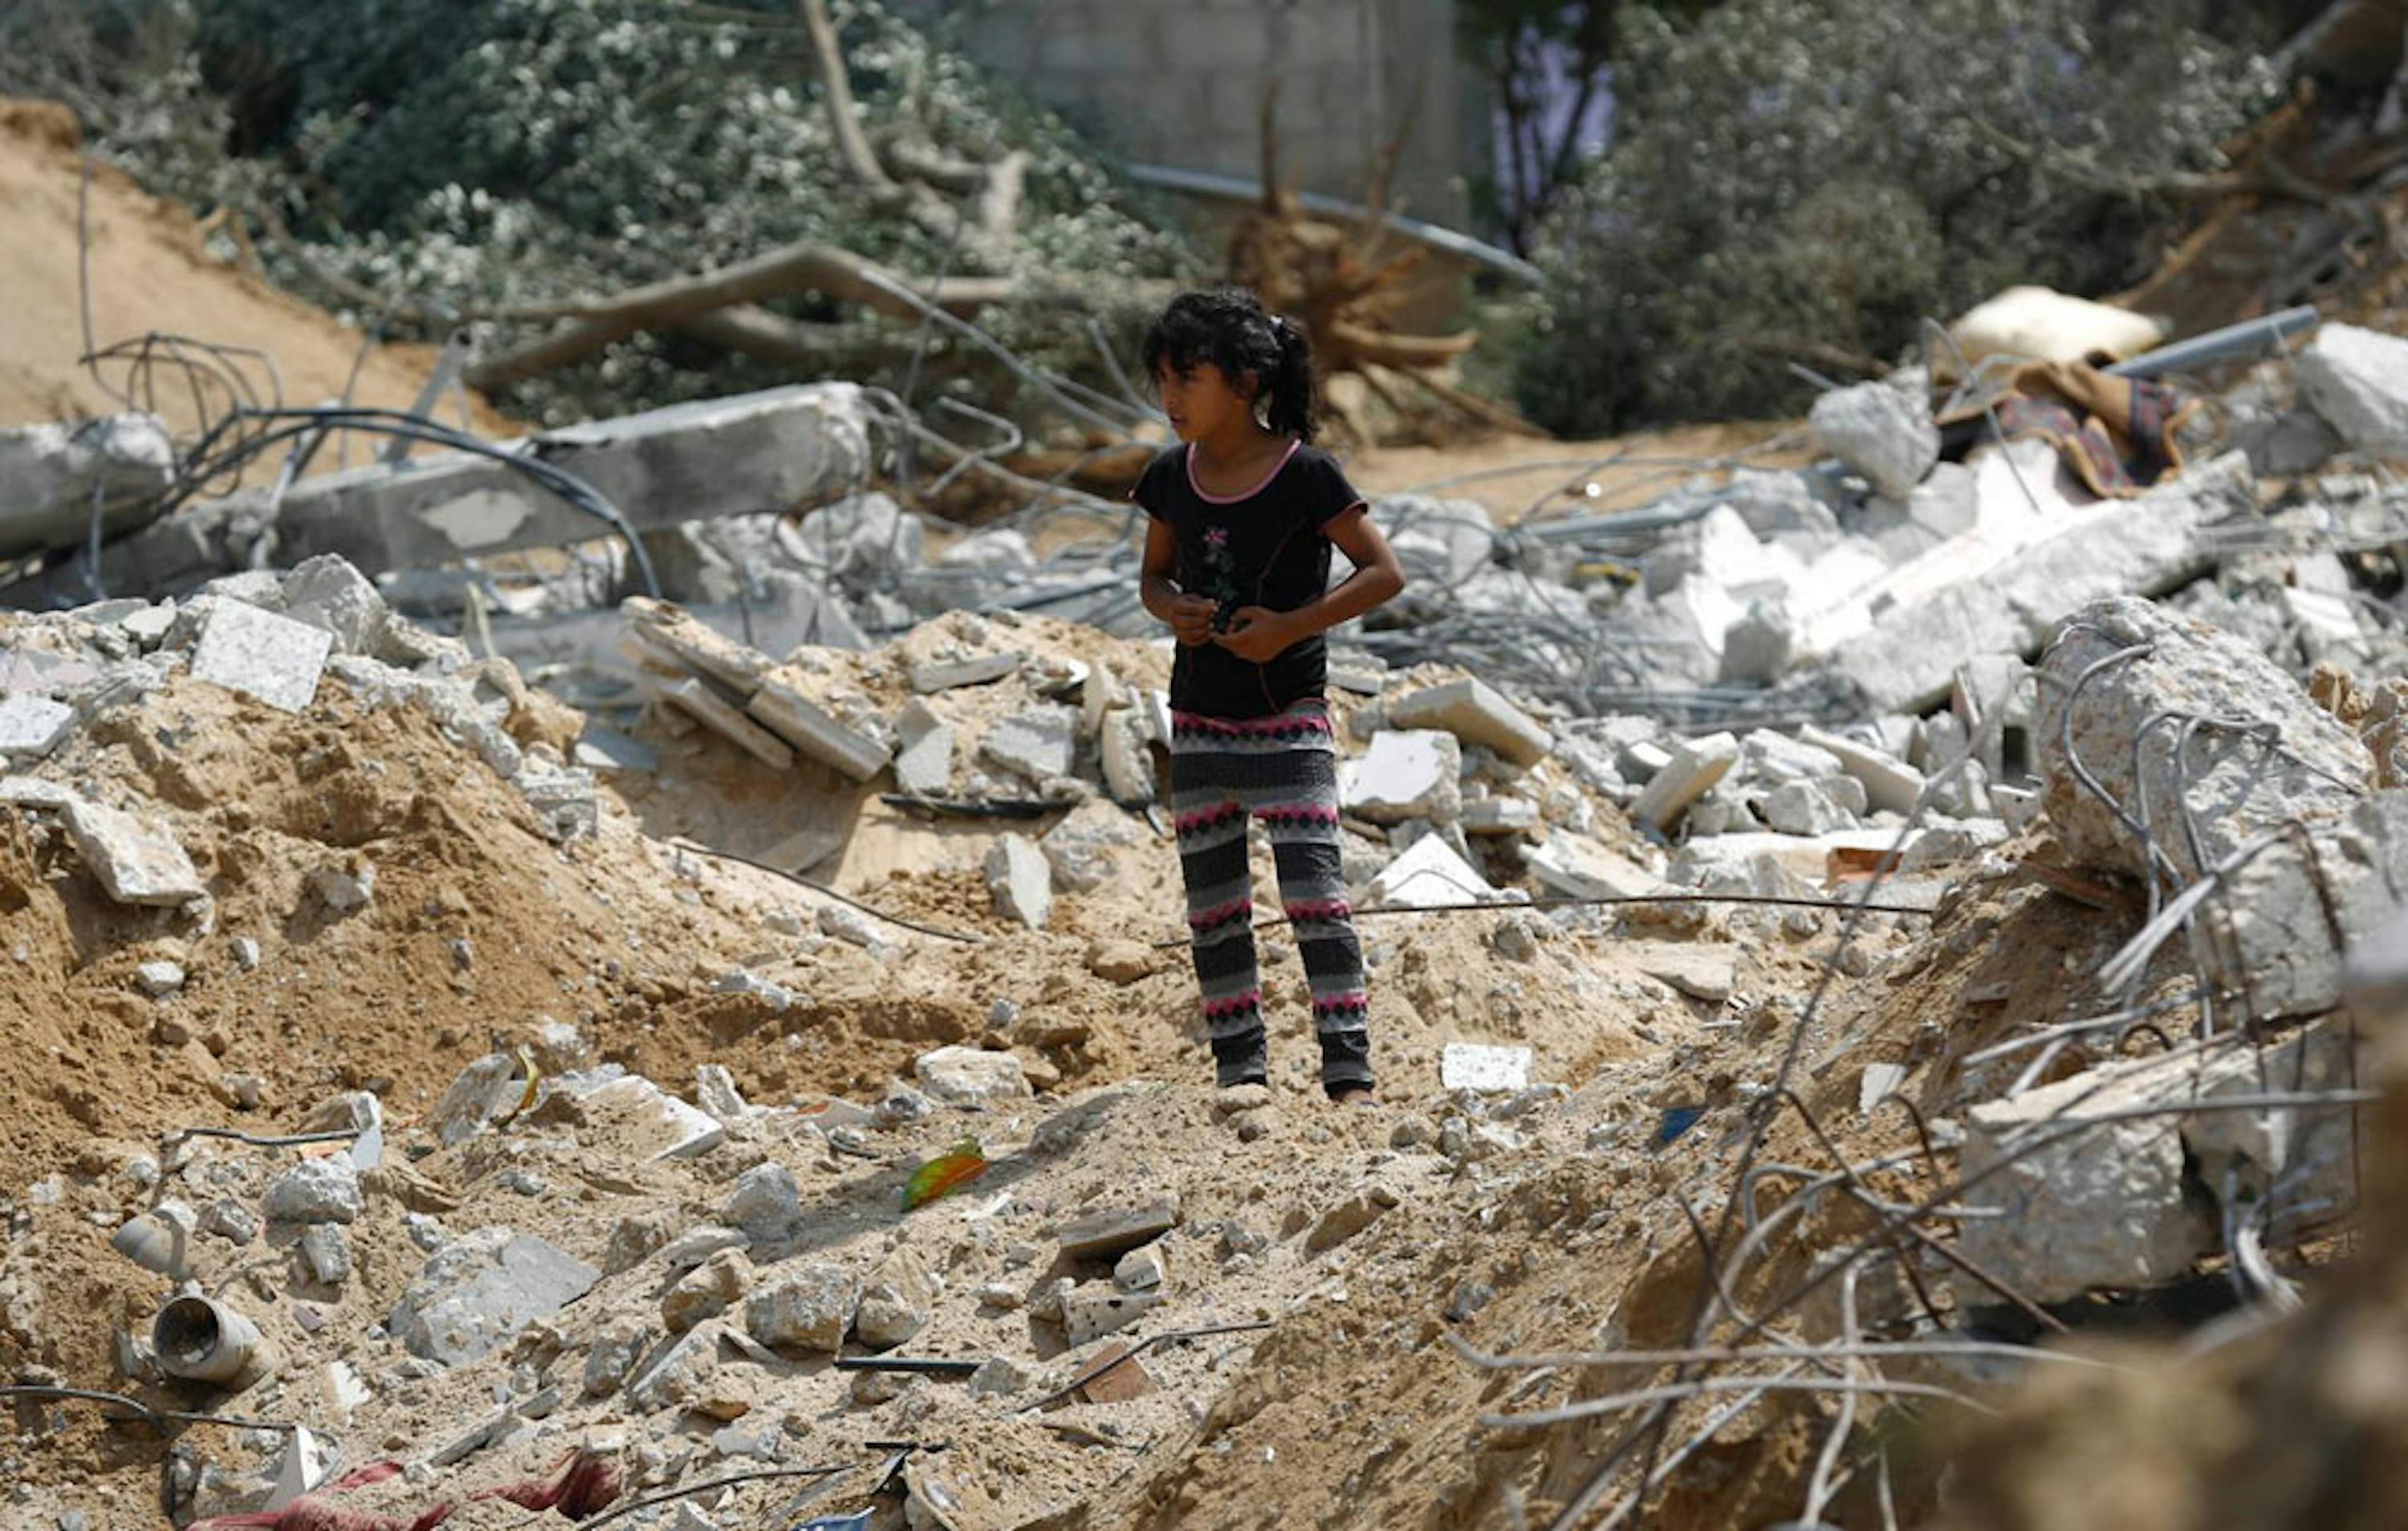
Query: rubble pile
[{"x": 1825, "y": 904}]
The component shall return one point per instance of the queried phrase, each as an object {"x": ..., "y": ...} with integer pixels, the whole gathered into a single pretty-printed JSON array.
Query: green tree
[{"x": 1806, "y": 179}]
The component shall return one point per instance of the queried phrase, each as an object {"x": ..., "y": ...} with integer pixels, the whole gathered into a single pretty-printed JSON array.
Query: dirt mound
[{"x": 149, "y": 270}]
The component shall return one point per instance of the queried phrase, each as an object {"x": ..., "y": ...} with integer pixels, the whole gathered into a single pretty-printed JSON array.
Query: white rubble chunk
[
  {"x": 896, "y": 1302},
  {"x": 1576, "y": 866},
  {"x": 1090, "y": 1312},
  {"x": 1891, "y": 785},
  {"x": 1693, "y": 768},
  {"x": 969, "y": 1076},
  {"x": 924, "y": 767},
  {"x": 31, "y": 726},
  {"x": 715, "y": 1092},
  {"x": 764, "y": 1202},
  {"x": 327, "y": 1253},
  {"x": 1477, "y": 1065},
  {"x": 562, "y": 800},
  {"x": 50, "y": 471},
  {"x": 2357, "y": 380},
  {"x": 138, "y": 862},
  {"x": 1084, "y": 848},
  {"x": 810, "y": 1310},
  {"x": 261, "y": 655},
  {"x": 1145, "y": 1268},
  {"x": 159, "y": 977},
  {"x": 1474, "y": 713},
  {"x": 480, "y": 1290},
  {"x": 1039, "y": 743},
  {"x": 322, "y": 1190},
  {"x": 1880, "y": 431},
  {"x": 1430, "y": 875},
  {"x": 326, "y": 592},
  {"x": 1801, "y": 807},
  {"x": 1499, "y": 816},
  {"x": 1020, "y": 880},
  {"x": 1406, "y": 774},
  {"x": 784, "y": 710},
  {"x": 1127, "y": 763},
  {"x": 945, "y": 673},
  {"x": 689, "y": 694},
  {"x": 657, "y": 1124}
]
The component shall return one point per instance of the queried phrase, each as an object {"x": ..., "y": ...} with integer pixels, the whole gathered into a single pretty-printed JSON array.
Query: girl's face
[{"x": 1200, "y": 400}]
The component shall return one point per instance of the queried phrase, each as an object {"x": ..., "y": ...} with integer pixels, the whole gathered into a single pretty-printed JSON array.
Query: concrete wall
[{"x": 1180, "y": 82}]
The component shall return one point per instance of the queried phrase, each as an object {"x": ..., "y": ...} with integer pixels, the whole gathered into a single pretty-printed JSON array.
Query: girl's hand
[
  {"x": 1258, "y": 633},
  {"x": 1190, "y": 619}
]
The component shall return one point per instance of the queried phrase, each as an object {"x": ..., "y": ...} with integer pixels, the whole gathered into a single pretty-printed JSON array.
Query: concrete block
[
  {"x": 1891, "y": 785},
  {"x": 1406, "y": 774},
  {"x": 1701, "y": 972},
  {"x": 325, "y": 592},
  {"x": 263, "y": 655},
  {"x": 1083, "y": 850},
  {"x": 1801, "y": 807},
  {"x": 1108, "y": 1234},
  {"x": 764, "y": 1202},
  {"x": 707, "y": 1291},
  {"x": 138, "y": 862},
  {"x": 1499, "y": 816},
  {"x": 1474, "y": 1065},
  {"x": 1475, "y": 713},
  {"x": 1127, "y": 763},
  {"x": 810, "y": 1310},
  {"x": 812, "y": 729},
  {"x": 480, "y": 1290},
  {"x": 925, "y": 763},
  {"x": 326, "y": 1253},
  {"x": 1039, "y": 743},
  {"x": 49, "y": 471},
  {"x": 969, "y": 1076},
  {"x": 896, "y": 1302},
  {"x": 322, "y": 1190},
  {"x": 1695, "y": 767},
  {"x": 1575, "y": 866},
  {"x": 1430, "y": 875},
  {"x": 1089, "y": 1313},
  {"x": 690, "y": 695},
  {"x": 32, "y": 726},
  {"x": 2357, "y": 380},
  {"x": 705, "y": 460},
  {"x": 673, "y": 639},
  {"x": 1758, "y": 648},
  {"x": 1020, "y": 880},
  {"x": 1880, "y": 431}
]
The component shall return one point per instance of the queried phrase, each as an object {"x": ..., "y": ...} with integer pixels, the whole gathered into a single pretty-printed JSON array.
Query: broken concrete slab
[
  {"x": 1499, "y": 816},
  {"x": 138, "y": 861},
  {"x": 1127, "y": 763},
  {"x": 1695, "y": 767},
  {"x": 262, "y": 654},
  {"x": 1576, "y": 866},
  {"x": 1037, "y": 743},
  {"x": 1020, "y": 880},
  {"x": 712, "y": 458},
  {"x": 1406, "y": 774},
  {"x": 782, "y": 707},
  {"x": 1110, "y": 1233},
  {"x": 673, "y": 639},
  {"x": 32, "y": 726},
  {"x": 1089, "y": 1313},
  {"x": 1430, "y": 875},
  {"x": 2205, "y": 788},
  {"x": 1474, "y": 713},
  {"x": 325, "y": 592},
  {"x": 810, "y": 1310},
  {"x": 2357, "y": 380},
  {"x": 691, "y": 696},
  {"x": 1891, "y": 785},
  {"x": 1479, "y": 1067},
  {"x": 1880, "y": 431},
  {"x": 50, "y": 473},
  {"x": 653, "y": 1124},
  {"x": 935, "y": 675},
  {"x": 1701, "y": 972},
  {"x": 482, "y": 1289}
]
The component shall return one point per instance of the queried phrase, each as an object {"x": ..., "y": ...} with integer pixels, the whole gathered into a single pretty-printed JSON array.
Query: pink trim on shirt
[{"x": 1260, "y": 484}]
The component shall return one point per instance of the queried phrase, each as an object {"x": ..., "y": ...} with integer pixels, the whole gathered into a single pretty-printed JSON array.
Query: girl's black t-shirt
[{"x": 1266, "y": 547}]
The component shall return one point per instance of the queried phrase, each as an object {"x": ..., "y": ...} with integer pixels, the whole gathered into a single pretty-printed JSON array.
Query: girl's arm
[{"x": 1258, "y": 633}]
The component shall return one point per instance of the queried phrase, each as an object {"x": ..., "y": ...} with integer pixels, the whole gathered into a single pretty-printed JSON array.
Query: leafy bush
[{"x": 1795, "y": 178}]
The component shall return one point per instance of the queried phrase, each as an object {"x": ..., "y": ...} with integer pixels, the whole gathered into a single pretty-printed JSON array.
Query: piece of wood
[{"x": 1117, "y": 1383}]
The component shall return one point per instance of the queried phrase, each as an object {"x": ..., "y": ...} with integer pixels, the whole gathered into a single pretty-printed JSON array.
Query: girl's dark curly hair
[{"x": 1229, "y": 327}]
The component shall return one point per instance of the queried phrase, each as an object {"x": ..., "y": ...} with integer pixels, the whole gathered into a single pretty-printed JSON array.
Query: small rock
[
  {"x": 328, "y": 1253},
  {"x": 1021, "y": 882},
  {"x": 246, "y": 953},
  {"x": 707, "y": 1291},
  {"x": 967, "y": 1076},
  {"x": 896, "y": 1303},
  {"x": 345, "y": 888},
  {"x": 999, "y": 1378},
  {"x": 320, "y": 1189},
  {"x": 810, "y": 1310},
  {"x": 1119, "y": 961},
  {"x": 158, "y": 979},
  {"x": 765, "y": 1202},
  {"x": 1141, "y": 1269}
]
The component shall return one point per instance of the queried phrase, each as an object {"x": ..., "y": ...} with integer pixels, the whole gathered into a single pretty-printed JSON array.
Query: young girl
[{"x": 1236, "y": 560}]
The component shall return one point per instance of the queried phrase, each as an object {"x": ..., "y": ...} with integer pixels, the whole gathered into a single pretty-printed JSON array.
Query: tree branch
[{"x": 842, "y": 117}]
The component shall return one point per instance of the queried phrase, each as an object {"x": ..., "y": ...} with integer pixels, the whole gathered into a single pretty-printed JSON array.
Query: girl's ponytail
[{"x": 1287, "y": 384}]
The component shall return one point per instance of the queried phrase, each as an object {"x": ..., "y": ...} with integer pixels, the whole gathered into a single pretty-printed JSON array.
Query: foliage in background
[
  {"x": 486, "y": 152},
  {"x": 1803, "y": 181}
]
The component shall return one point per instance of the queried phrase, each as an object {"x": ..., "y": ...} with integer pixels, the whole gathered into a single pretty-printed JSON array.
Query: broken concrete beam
[
  {"x": 672, "y": 636},
  {"x": 2284, "y": 922},
  {"x": 49, "y": 472},
  {"x": 2201, "y": 790},
  {"x": 2003, "y": 589},
  {"x": 1474, "y": 713},
  {"x": 1406, "y": 774},
  {"x": 2357, "y": 380},
  {"x": 1891, "y": 785},
  {"x": 925, "y": 763},
  {"x": 263, "y": 655},
  {"x": 812, "y": 729},
  {"x": 136, "y": 861},
  {"x": 1499, "y": 816},
  {"x": 1020, "y": 880},
  {"x": 32, "y": 726},
  {"x": 689, "y": 694},
  {"x": 1879, "y": 433},
  {"x": 1692, "y": 770},
  {"x": 480, "y": 1290},
  {"x": 936, "y": 675},
  {"x": 769, "y": 451}
]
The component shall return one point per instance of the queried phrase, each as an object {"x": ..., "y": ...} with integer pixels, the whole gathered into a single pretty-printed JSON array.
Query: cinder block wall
[{"x": 1180, "y": 82}]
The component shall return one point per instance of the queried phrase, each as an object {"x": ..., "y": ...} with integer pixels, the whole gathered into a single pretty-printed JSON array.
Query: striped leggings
[{"x": 1282, "y": 770}]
